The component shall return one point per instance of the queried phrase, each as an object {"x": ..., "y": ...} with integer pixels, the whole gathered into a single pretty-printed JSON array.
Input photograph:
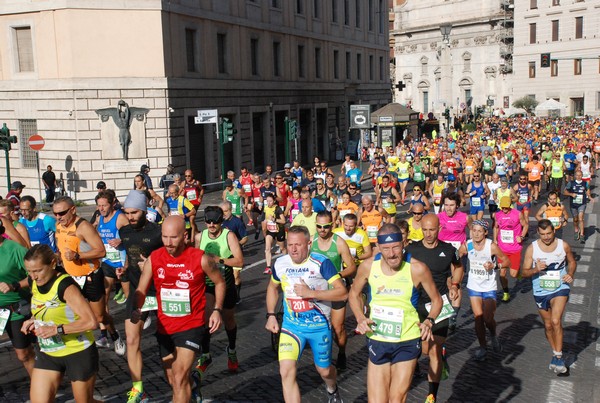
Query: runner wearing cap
[
  {"x": 509, "y": 230},
  {"x": 484, "y": 258},
  {"x": 14, "y": 195}
]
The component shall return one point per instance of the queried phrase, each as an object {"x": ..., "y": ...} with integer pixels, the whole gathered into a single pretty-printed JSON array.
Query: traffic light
[
  {"x": 6, "y": 139},
  {"x": 227, "y": 130},
  {"x": 292, "y": 129},
  {"x": 447, "y": 113},
  {"x": 545, "y": 60}
]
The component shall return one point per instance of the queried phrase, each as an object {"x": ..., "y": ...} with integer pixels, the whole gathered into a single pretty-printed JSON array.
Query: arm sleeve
[{"x": 66, "y": 282}]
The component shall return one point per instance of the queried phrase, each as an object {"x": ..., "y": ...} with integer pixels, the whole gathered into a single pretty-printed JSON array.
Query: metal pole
[
  {"x": 287, "y": 139},
  {"x": 37, "y": 163},
  {"x": 221, "y": 152},
  {"x": 296, "y": 147},
  {"x": 7, "y": 169}
]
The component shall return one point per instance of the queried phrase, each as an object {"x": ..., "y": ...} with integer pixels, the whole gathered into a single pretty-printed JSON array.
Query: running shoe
[
  {"x": 496, "y": 345},
  {"x": 480, "y": 354},
  {"x": 267, "y": 270},
  {"x": 120, "y": 297},
  {"x": 118, "y": 294},
  {"x": 341, "y": 361},
  {"x": 560, "y": 368},
  {"x": 576, "y": 235},
  {"x": 204, "y": 362},
  {"x": 135, "y": 396},
  {"x": 552, "y": 366},
  {"x": 430, "y": 398},
  {"x": 250, "y": 223},
  {"x": 506, "y": 297},
  {"x": 120, "y": 347},
  {"x": 335, "y": 396},
  {"x": 103, "y": 342},
  {"x": 147, "y": 322},
  {"x": 232, "y": 361},
  {"x": 445, "y": 371}
]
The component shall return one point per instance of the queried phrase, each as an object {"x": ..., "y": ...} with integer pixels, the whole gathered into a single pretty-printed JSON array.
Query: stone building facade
[{"x": 257, "y": 62}]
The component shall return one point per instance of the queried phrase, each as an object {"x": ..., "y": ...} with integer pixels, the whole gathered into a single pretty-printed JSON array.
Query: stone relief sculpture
[{"x": 123, "y": 116}]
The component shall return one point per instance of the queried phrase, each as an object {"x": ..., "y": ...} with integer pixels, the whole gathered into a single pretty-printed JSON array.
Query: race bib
[
  {"x": 487, "y": 166},
  {"x": 388, "y": 322},
  {"x": 51, "y": 344},
  {"x": 535, "y": 171},
  {"x": 555, "y": 221},
  {"x": 353, "y": 252},
  {"x": 507, "y": 236},
  {"x": 523, "y": 198},
  {"x": 80, "y": 280},
  {"x": 550, "y": 280},
  {"x": 112, "y": 254},
  {"x": 556, "y": 169},
  {"x": 578, "y": 199},
  {"x": 151, "y": 215},
  {"x": 247, "y": 188},
  {"x": 344, "y": 212},
  {"x": 386, "y": 204},
  {"x": 296, "y": 303},
  {"x": 33, "y": 243},
  {"x": 477, "y": 270},
  {"x": 456, "y": 244},
  {"x": 476, "y": 201},
  {"x": 191, "y": 194},
  {"x": 295, "y": 212},
  {"x": 150, "y": 304},
  {"x": 469, "y": 168},
  {"x": 437, "y": 198},
  {"x": 174, "y": 212},
  {"x": 353, "y": 178},
  {"x": 372, "y": 231},
  {"x": 272, "y": 226},
  {"x": 175, "y": 302},
  {"x": 523, "y": 164},
  {"x": 418, "y": 177},
  {"x": 4, "y": 315},
  {"x": 447, "y": 309}
]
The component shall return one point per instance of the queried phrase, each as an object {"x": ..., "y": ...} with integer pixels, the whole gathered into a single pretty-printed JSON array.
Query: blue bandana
[{"x": 389, "y": 238}]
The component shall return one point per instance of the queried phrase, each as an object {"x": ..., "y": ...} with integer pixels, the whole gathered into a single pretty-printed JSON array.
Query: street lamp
[{"x": 445, "y": 30}]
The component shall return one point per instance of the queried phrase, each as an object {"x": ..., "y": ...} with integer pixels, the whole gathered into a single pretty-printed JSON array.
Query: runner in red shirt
[
  {"x": 193, "y": 191},
  {"x": 178, "y": 273},
  {"x": 246, "y": 182}
]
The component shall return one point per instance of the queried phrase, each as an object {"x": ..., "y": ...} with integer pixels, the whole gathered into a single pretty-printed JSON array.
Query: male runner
[
  {"x": 41, "y": 227},
  {"x": 550, "y": 263},
  {"x": 235, "y": 225},
  {"x": 309, "y": 282}
]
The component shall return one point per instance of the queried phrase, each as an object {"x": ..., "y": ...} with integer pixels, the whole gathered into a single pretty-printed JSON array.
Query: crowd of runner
[{"x": 331, "y": 239}]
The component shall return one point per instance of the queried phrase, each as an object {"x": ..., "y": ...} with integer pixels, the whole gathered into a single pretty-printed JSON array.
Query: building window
[
  {"x": 424, "y": 62},
  {"x": 553, "y": 68},
  {"x": 334, "y": 10},
  {"x": 554, "y": 30},
  {"x": 348, "y": 66},
  {"x": 336, "y": 64},
  {"x": 370, "y": 13},
  {"x": 532, "y": 32},
  {"x": 466, "y": 62},
  {"x": 382, "y": 14},
  {"x": 531, "y": 69},
  {"x": 578, "y": 27},
  {"x": 556, "y": 2},
  {"x": 598, "y": 100},
  {"x": 425, "y": 102},
  {"x": 358, "y": 66},
  {"x": 577, "y": 67},
  {"x": 358, "y": 14},
  {"x": 24, "y": 49},
  {"x": 254, "y": 56},
  {"x": 275, "y": 4},
  {"x": 27, "y": 128},
  {"x": 381, "y": 68},
  {"x": 371, "y": 68},
  {"x": 221, "y": 53},
  {"x": 300, "y": 61},
  {"x": 318, "y": 62},
  {"x": 190, "y": 49},
  {"x": 346, "y": 12},
  {"x": 317, "y": 8},
  {"x": 300, "y": 6},
  {"x": 532, "y": 4},
  {"x": 276, "y": 59}
]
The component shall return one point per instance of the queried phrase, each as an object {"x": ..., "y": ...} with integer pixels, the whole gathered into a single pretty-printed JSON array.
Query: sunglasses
[
  {"x": 213, "y": 222},
  {"x": 62, "y": 213},
  {"x": 352, "y": 188},
  {"x": 188, "y": 176},
  {"x": 416, "y": 190},
  {"x": 324, "y": 226},
  {"x": 417, "y": 213}
]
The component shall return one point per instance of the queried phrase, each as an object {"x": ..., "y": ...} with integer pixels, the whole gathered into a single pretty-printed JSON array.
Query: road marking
[
  {"x": 260, "y": 262},
  {"x": 560, "y": 391},
  {"x": 583, "y": 268},
  {"x": 572, "y": 317},
  {"x": 598, "y": 362},
  {"x": 576, "y": 299},
  {"x": 585, "y": 258},
  {"x": 579, "y": 282}
]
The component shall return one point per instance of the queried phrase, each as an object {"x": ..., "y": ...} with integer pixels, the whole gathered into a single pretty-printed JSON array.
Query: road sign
[
  {"x": 206, "y": 116},
  {"x": 36, "y": 142},
  {"x": 360, "y": 116}
]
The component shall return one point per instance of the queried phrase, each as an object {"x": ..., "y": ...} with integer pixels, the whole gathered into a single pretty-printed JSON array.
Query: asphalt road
[{"x": 519, "y": 374}]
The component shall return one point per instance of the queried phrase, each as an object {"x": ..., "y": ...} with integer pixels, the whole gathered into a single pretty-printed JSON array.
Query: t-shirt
[
  {"x": 12, "y": 270},
  {"x": 138, "y": 242},
  {"x": 237, "y": 226},
  {"x": 180, "y": 289},
  {"x": 439, "y": 261},
  {"x": 308, "y": 222}
]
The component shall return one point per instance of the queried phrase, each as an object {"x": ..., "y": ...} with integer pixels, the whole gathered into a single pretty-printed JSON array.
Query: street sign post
[
  {"x": 207, "y": 116},
  {"x": 360, "y": 116},
  {"x": 36, "y": 143}
]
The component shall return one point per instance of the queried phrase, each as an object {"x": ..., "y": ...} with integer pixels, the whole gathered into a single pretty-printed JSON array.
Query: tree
[{"x": 527, "y": 103}]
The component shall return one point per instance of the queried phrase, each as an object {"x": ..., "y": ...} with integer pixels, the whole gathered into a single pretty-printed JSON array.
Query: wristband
[
  {"x": 76, "y": 256},
  {"x": 457, "y": 285},
  {"x": 16, "y": 286},
  {"x": 220, "y": 310},
  {"x": 270, "y": 314},
  {"x": 431, "y": 320}
]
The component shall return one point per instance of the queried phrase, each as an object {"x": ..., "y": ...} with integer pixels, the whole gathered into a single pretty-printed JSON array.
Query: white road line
[
  {"x": 560, "y": 391},
  {"x": 583, "y": 268},
  {"x": 572, "y": 317},
  {"x": 579, "y": 282},
  {"x": 576, "y": 299},
  {"x": 598, "y": 362},
  {"x": 585, "y": 258},
  {"x": 261, "y": 262}
]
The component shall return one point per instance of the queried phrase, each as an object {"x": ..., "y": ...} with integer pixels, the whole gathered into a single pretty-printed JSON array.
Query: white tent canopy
[
  {"x": 551, "y": 107},
  {"x": 505, "y": 112}
]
